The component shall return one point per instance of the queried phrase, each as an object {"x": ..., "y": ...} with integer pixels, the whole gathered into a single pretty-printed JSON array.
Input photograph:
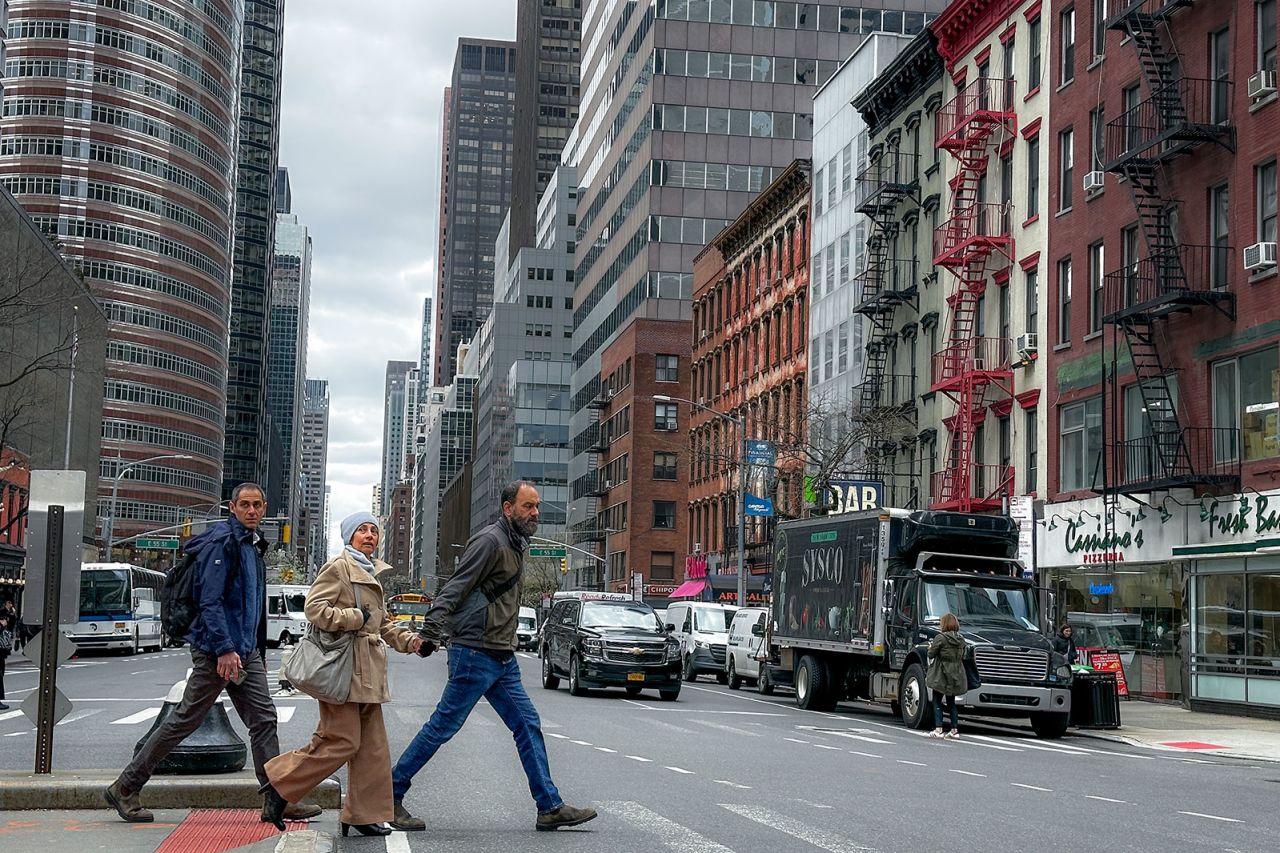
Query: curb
[
  {"x": 1216, "y": 753},
  {"x": 82, "y": 789}
]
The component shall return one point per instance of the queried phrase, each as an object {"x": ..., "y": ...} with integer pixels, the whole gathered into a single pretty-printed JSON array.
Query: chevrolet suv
[{"x": 608, "y": 640}]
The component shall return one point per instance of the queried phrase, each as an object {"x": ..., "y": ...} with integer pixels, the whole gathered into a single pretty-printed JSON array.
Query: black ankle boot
[
  {"x": 273, "y": 806},
  {"x": 365, "y": 828}
]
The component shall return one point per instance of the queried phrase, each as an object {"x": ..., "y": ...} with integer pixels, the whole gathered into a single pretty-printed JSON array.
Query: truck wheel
[
  {"x": 764, "y": 684},
  {"x": 575, "y": 683},
  {"x": 669, "y": 695},
  {"x": 811, "y": 684},
  {"x": 1050, "y": 726},
  {"x": 633, "y": 689},
  {"x": 735, "y": 681},
  {"x": 688, "y": 674},
  {"x": 549, "y": 679},
  {"x": 914, "y": 699}
]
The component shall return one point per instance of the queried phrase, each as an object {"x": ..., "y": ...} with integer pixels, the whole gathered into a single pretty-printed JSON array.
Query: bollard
[{"x": 213, "y": 748}]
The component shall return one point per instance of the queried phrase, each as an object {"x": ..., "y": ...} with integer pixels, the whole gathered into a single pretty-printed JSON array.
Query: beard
[{"x": 524, "y": 526}]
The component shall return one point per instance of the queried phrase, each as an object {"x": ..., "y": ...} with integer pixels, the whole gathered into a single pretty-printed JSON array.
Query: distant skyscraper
[
  {"x": 287, "y": 357},
  {"x": 479, "y": 188},
  {"x": 442, "y": 236},
  {"x": 428, "y": 329},
  {"x": 248, "y": 441},
  {"x": 393, "y": 425},
  {"x": 284, "y": 191},
  {"x": 119, "y": 137},
  {"x": 315, "y": 453}
]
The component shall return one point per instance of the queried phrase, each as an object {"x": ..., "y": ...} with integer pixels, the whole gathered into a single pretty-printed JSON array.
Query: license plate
[{"x": 635, "y": 676}]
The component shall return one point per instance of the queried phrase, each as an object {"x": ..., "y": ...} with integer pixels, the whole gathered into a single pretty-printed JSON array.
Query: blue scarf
[{"x": 360, "y": 558}]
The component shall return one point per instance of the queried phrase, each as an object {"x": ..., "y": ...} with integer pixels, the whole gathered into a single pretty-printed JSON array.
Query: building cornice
[
  {"x": 965, "y": 23},
  {"x": 903, "y": 81}
]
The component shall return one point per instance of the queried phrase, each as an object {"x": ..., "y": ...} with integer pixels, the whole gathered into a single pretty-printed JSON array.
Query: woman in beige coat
[{"x": 346, "y": 596}]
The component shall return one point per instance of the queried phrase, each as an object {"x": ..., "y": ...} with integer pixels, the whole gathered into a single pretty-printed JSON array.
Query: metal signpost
[{"x": 48, "y": 689}]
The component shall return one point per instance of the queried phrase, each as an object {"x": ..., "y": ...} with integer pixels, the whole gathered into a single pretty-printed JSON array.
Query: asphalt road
[{"x": 721, "y": 771}]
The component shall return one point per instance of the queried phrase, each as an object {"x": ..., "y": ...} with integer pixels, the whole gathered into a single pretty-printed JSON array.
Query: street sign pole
[{"x": 49, "y": 647}]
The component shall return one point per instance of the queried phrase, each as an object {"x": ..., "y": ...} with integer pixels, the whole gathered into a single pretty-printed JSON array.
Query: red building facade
[{"x": 750, "y": 333}]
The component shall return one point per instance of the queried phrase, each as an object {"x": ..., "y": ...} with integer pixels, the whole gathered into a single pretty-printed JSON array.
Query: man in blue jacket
[{"x": 227, "y": 639}]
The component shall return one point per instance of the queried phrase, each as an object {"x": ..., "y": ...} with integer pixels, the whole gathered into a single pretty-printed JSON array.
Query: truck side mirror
[
  {"x": 757, "y": 630},
  {"x": 888, "y": 595},
  {"x": 670, "y": 627},
  {"x": 1053, "y": 612}
]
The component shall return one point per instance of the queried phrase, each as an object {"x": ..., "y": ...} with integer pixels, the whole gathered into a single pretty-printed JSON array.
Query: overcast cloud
[{"x": 360, "y": 135}]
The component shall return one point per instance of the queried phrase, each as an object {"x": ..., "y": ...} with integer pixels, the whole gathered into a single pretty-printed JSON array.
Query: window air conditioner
[
  {"x": 608, "y": 484},
  {"x": 1260, "y": 256},
  {"x": 1026, "y": 345},
  {"x": 1094, "y": 181},
  {"x": 1262, "y": 84},
  {"x": 697, "y": 547}
]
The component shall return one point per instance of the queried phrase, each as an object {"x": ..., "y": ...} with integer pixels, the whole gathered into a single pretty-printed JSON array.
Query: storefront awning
[{"x": 689, "y": 589}]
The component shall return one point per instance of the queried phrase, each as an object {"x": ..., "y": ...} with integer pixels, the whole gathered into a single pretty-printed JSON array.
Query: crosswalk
[{"x": 284, "y": 714}]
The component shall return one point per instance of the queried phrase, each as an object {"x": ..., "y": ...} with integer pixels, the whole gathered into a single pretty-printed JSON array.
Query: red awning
[{"x": 688, "y": 589}]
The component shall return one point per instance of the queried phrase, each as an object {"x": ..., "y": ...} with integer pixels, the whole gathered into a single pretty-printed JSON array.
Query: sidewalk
[{"x": 1170, "y": 727}]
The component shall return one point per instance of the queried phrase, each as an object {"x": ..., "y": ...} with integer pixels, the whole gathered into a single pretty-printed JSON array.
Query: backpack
[{"x": 178, "y": 606}]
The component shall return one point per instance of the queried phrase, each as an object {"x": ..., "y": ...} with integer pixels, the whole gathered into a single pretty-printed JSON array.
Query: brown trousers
[{"x": 351, "y": 734}]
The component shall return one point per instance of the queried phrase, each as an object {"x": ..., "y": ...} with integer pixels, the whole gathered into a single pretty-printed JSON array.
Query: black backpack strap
[{"x": 495, "y": 592}]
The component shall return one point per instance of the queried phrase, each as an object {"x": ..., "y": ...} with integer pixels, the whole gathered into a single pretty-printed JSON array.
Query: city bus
[
  {"x": 119, "y": 608},
  {"x": 409, "y": 607}
]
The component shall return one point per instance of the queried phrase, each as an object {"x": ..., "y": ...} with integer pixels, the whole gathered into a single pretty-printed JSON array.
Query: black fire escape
[
  {"x": 888, "y": 282},
  {"x": 1178, "y": 117}
]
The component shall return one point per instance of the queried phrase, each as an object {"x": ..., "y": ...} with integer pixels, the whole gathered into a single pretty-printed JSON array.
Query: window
[
  {"x": 1129, "y": 262},
  {"x": 1143, "y": 459},
  {"x": 664, "y": 417},
  {"x": 664, "y": 466},
  {"x": 1096, "y": 273},
  {"x": 979, "y": 485},
  {"x": 1068, "y": 54},
  {"x": 1066, "y": 168},
  {"x": 1006, "y": 181},
  {"x": 828, "y": 354},
  {"x": 1033, "y": 300},
  {"x": 842, "y": 358},
  {"x": 1265, "y": 178},
  {"x": 1064, "y": 301},
  {"x": 662, "y": 566},
  {"x": 1220, "y": 74},
  {"x": 1099, "y": 28},
  {"x": 666, "y": 368},
  {"x": 1219, "y": 236},
  {"x": 1033, "y": 177},
  {"x": 1246, "y": 397},
  {"x": 833, "y": 189},
  {"x": 664, "y": 515},
  {"x": 1080, "y": 430},
  {"x": 1004, "y": 435},
  {"x": 1267, "y": 35},
  {"x": 1033, "y": 55},
  {"x": 1003, "y": 309},
  {"x": 1130, "y": 98},
  {"x": 1097, "y": 137},
  {"x": 1009, "y": 73},
  {"x": 819, "y": 192},
  {"x": 1032, "y": 439},
  {"x": 846, "y": 168}
]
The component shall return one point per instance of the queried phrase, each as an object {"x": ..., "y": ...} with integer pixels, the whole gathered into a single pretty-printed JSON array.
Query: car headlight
[
  {"x": 673, "y": 651},
  {"x": 698, "y": 644},
  {"x": 595, "y": 648}
]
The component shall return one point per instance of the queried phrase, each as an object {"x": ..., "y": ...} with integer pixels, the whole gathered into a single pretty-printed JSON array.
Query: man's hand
[
  {"x": 229, "y": 666},
  {"x": 426, "y": 646}
]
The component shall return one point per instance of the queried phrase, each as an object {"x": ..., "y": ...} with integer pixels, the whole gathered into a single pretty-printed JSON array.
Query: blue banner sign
[{"x": 758, "y": 507}]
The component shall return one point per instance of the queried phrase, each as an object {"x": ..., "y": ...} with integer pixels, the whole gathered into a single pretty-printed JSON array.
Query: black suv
[{"x": 608, "y": 640}]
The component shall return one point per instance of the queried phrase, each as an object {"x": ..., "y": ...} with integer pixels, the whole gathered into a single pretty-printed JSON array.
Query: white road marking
[
  {"x": 606, "y": 749},
  {"x": 967, "y": 740},
  {"x": 640, "y": 758},
  {"x": 812, "y": 804},
  {"x": 142, "y": 672},
  {"x": 581, "y": 742},
  {"x": 913, "y": 763},
  {"x": 796, "y": 740},
  {"x": 16, "y": 734},
  {"x": 673, "y": 836},
  {"x": 9, "y": 715},
  {"x": 681, "y": 770},
  {"x": 140, "y": 717},
  {"x": 1022, "y": 744},
  {"x": 397, "y": 842},
  {"x": 722, "y": 727},
  {"x": 79, "y": 715},
  {"x": 671, "y": 727},
  {"x": 864, "y": 754},
  {"x": 284, "y": 713},
  {"x": 557, "y": 735},
  {"x": 1105, "y": 799},
  {"x": 968, "y": 773},
  {"x": 818, "y": 838},
  {"x": 824, "y": 746},
  {"x": 1031, "y": 787},
  {"x": 733, "y": 784},
  {"x": 1212, "y": 817},
  {"x": 866, "y": 738}
]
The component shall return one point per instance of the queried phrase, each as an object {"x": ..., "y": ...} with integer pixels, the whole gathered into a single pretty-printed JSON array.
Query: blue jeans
[
  {"x": 938, "y": 699},
  {"x": 473, "y": 674}
]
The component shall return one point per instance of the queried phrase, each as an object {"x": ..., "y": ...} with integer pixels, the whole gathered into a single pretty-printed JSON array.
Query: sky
[{"x": 360, "y": 135}]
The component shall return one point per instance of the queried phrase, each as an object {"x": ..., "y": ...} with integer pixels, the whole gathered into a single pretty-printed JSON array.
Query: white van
[
  {"x": 286, "y": 622},
  {"x": 746, "y": 638},
  {"x": 527, "y": 628},
  {"x": 703, "y": 631}
]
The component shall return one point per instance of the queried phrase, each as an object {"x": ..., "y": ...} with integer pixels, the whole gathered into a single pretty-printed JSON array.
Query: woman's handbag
[
  {"x": 6, "y": 640},
  {"x": 322, "y": 664},
  {"x": 971, "y": 670}
]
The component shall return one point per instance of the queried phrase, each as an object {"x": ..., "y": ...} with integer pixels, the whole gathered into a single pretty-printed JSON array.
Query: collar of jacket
[
  {"x": 358, "y": 573},
  {"x": 518, "y": 541},
  {"x": 240, "y": 533}
]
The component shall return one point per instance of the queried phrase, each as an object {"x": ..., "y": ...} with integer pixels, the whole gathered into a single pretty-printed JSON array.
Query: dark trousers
[
  {"x": 3, "y": 656},
  {"x": 937, "y": 710},
  {"x": 252, "y": 701}
]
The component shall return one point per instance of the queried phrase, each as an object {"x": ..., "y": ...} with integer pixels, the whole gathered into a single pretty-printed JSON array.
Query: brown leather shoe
[
  {"x": 295, "y": 811},
  {"x": 564, "y": 816},
  {"x": 406, "y": 822},
  {"x": 127, "y": 805}
]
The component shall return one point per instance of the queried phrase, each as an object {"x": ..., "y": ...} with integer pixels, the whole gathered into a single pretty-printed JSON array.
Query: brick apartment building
[
  {"x": 643, "y": 458},
  {"x": 750, "y": 361},
  {"x": 1162, "y": 357}
]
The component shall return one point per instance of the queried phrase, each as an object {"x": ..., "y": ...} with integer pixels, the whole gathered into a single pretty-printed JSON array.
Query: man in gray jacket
[{"x": 476, "y": 612}]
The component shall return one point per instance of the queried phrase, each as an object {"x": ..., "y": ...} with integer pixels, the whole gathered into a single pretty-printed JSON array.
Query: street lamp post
[
  {"x": 741, "y": 424},
  {"x": 115, "y": 490}
]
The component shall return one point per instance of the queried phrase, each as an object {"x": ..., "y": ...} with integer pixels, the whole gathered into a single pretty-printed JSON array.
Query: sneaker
[
  {"x": 566, "y": 815},
  {"x": 404, "y": 821},
  {"x": 954, "y": 734},
  {"x": 127, "y": 805},
  {"x": 936, "y": 733},
  {"x": 3, "y": 707}
]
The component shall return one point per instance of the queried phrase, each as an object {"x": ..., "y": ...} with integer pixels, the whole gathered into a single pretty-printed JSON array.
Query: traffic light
[
  {"x": 564, "y": 565},
  {"x": 186, "y": 528},
  {"x": 284, "y": 533}
]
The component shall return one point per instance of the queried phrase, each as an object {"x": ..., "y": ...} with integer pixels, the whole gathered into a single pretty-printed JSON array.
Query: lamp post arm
[{"x": 577, "y": 550}]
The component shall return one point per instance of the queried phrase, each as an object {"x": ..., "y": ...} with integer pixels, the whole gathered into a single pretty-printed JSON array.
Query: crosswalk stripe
[
  {"x": 818, "y": 838},
  {"x": 79, "y": 715},
  {"x": 722, "y": 727},
  {"x": 672, "y": 835},
  {"x": 9, "y": 715},
  {"x": 397, "y": 842},
  {"x": 1022, "y": 744},
  {"x": 284, "y": 713},
  {"x": 140, "y": 717}
]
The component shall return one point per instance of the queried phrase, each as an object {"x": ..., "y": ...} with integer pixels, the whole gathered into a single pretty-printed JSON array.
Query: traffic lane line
[
  {"x": 673, "y": 836},
  {"x": 1212, "y": 817},
  {"x": 968, "y": 773},
  {"x": 1031, "y": 787},
  {"x": 796, "y": 829},
  {"x": 1106, "y": 799}
]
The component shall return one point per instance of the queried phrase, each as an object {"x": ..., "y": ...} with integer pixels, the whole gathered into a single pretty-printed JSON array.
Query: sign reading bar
[
  {"x": 547, "y": 551},
  {"x": 169, "y": 543}
]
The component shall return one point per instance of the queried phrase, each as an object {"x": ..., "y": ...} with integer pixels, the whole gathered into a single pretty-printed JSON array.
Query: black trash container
[{"x": 1095, "y": 701}]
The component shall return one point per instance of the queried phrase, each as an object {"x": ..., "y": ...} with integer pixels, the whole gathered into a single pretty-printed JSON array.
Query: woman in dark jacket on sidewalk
[
  {"x": 946, "y": 677},
  {"x": 1065, "y": 644}
]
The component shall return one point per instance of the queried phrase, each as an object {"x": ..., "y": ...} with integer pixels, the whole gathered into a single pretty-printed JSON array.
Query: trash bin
[{"x": 1095, "y": 701}]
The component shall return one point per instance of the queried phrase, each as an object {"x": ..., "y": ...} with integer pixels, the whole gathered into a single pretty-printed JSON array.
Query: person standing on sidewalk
[
  {"x": 946, "y": 676},
  {"x": 346, "y": 596},
  {"x": 227, "y": 642},
  {"x": 476, "y": 611},
  {"x": 8, "y": 638}
]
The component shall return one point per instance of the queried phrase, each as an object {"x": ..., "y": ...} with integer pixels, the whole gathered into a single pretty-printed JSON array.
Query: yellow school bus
[{"x": 408, "y": 607}]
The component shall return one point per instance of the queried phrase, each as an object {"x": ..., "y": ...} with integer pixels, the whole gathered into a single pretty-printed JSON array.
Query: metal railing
[
  {"x": 891, "y": 276},
  {"x": 1193, "y": 274},
  {"x": 1183, "y": 112},
  {"x": 976, "y": 229},
  {"x": 888, "y": 391},
  {"x": 1186, "y": 456},
  {"x": 986, "y": 483},
  {"x": 977, "y": 355},
  {"x": 974, "y": 111},
  {"x": 886, "y": 179}
]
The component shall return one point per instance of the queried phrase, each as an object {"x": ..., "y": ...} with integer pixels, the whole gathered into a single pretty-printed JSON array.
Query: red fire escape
[{"x": 970, "y": 365}]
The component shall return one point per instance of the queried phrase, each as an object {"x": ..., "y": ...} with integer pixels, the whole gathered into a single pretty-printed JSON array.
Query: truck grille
[
  {"x": 718, "y": 652},
  {"x": 1011, "y": 664},
  {"x": 626, "y": 653}
]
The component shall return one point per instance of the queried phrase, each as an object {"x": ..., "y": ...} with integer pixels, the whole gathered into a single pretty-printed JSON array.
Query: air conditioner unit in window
[
  {"x": 979, "y": 363},
  {"x": 1026, "y": 346},
  {"x": 1262, "y": 84},
  {"x": 1094, "y": 181},
  {"x": 1260, "y": 256},
  {"x": 608, "y": 484},
  {"x": 697, "y": 547}
]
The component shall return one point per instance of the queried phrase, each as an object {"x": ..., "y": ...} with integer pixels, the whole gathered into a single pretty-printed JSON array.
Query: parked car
[
  {"x": 703, "y": 631},
  {"x": 608, "y": 640},
  {"x": 527, "y": 629},
  {"x": 746, "y": 646}
]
